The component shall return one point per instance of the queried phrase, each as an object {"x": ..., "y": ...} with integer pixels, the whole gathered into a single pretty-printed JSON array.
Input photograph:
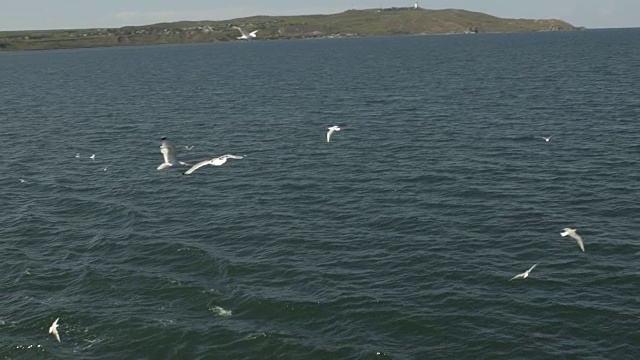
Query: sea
[{"x": 398, "y": 239}]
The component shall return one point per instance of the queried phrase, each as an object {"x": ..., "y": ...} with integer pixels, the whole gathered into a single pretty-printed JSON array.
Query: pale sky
[{"x": 80, "y": 14}]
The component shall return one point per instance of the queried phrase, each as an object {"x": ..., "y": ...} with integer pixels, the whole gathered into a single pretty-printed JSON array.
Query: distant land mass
[{"x": 351, "y": 23}]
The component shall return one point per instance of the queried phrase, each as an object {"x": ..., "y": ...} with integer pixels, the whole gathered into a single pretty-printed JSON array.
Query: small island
[{"x": 351, "y": 23}]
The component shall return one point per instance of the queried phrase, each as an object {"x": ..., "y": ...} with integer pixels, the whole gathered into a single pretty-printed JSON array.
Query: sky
[{"x": 82, "y": 14}]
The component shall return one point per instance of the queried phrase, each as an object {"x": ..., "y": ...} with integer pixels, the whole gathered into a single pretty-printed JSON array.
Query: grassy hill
[{"x": 372, "y": 22}]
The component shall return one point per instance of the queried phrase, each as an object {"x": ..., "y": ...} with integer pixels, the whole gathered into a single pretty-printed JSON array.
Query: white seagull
[
  {"x": 77, "y": 155},
  {"x": 215, "y": 162},
  {"x": 188, "y": 147},
  {"x": 169, "y": 154},
  {"x": 574, "y": 235},
  {"x": 54, "y": 329},
  {"x": 92, "y": 157},
  {"x": 245, "y": 35},
  {"x": 22, "y": 180},
  {"x": 525, "y": 274},
  {"x": 547, "y": 139},
  {"x": 331, "y": 130}
]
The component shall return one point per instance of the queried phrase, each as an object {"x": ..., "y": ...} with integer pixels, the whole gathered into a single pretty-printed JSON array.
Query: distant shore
[{"x": 351, "y": 23}]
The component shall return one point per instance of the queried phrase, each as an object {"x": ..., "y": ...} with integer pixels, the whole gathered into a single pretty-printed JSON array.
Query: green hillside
[{"x": 372, "y": 22}]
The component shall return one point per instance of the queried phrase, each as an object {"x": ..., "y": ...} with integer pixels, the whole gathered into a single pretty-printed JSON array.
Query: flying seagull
[
  {"x": 215, "y": 162},
  {"x": 525, "y": 274},
  {"x": 169, "y": 154},
  {"x": 245, "y": 35},
  {"x": 22, "y": 180},
  {"x": 331, "y": 130},
  {"x": 54, "y": 329},
  {"x": 547, "y": 139},
  {"x": 188, "y": 147},
  {"x": 574, "y": 235},
  {"x": 92, "y": 157},
  {"x": 77, "y": 155}
]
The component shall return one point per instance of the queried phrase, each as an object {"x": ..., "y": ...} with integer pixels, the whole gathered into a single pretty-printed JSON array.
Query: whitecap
[{"x": 219, "y": 311}]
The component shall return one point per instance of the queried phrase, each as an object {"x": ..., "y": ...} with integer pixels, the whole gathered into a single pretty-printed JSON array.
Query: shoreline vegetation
[{"x": 351, "y": 23}]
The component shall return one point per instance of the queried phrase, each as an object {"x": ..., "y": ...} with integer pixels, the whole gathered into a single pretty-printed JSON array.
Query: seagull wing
[
  {"x": 53, "y": 326},
  {"x": 331, "y": 130},
  {"x": 168, "y": 152},
  {"x": 578, "y": 239},
  {"x": 244, "y": 33},
  {"x": 531, "y": 268},
  {"x": 517, "y": 277},
  {"x": 253, "y": 33},
  {"x": 197, "y": 166},
  {"x": 229, "y": 156}
]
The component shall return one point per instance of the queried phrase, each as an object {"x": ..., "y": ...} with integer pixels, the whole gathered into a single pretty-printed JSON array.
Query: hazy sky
[{"x": 74, "y": 14}]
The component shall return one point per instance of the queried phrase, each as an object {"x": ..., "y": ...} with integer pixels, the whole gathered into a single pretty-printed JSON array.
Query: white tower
[{"x": 416, "y": 5}]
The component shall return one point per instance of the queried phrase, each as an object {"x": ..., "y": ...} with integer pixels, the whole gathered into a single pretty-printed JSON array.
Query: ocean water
[{"x": 396, "y": 240}]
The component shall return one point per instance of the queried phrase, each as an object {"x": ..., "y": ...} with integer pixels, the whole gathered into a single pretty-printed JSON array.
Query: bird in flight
[
  {"x": 572, "y": 233},
  {"x": 525, "y": 274},
  {"x": 169, "y": 154},
  {"x": 245, "y": 35},
  {"x": 54, "y": 329},
  {"x": 215, "y": 162},
  {"x": 547, "y": 139},
  {"x": 331, "y": 131}
]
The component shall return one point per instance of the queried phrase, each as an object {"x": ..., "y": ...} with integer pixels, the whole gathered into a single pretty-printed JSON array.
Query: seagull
[
  {"x": 574, "y": 235},
  {"x": 215, "y": 162},
  {"x": 105, "y": 168},
  {"x": 92, "y": 157},
  {"x": 54, "y": 329},
  {"x": 169, "y": 154},
  {"x": 331, "y": 130},
  {"x": 77, "y": 155},
  {"x": 188, "y": 147},
  {"x": 245, "y": 35},
  {"x": 525, "y": 274},
  {"x": 547, "y": 139},
  {"x": 22, "y": 180}
]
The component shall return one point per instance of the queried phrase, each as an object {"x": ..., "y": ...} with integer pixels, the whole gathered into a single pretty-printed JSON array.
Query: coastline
[{"x": 351, "y": 23}]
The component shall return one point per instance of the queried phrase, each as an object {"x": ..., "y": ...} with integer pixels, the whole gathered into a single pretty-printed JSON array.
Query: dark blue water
[{"x": 395, "y": 240}]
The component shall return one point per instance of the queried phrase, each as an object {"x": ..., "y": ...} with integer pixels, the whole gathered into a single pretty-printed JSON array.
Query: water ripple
[{"x": 396, "y": 240}]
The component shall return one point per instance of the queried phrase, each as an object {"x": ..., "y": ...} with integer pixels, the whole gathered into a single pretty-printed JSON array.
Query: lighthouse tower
[{"x": 416, "y": 5}]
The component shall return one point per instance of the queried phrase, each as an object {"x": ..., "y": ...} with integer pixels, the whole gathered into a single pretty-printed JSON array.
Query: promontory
[{"x": 351, "y": 23}]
